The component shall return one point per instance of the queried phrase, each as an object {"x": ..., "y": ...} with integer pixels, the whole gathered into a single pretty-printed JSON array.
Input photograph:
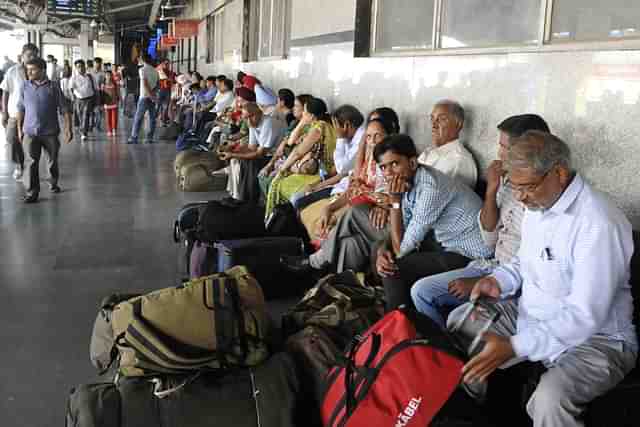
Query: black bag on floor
[
  {"x": 266, "y": 396},
  {"x": 260, "y": 255},
  {"x": 284, "y": 221},
  {"x": 229, "y": 219}
]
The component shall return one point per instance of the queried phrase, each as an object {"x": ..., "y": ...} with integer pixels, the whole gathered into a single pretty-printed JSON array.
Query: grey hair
[
  {"x": 454, "y": 108},
  {"x": 539, "y": 151}
]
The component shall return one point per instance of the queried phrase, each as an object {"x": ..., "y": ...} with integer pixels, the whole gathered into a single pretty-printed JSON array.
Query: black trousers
[
  {"x": 414, "y": 266},
  {"x": 249, "y": 190}
]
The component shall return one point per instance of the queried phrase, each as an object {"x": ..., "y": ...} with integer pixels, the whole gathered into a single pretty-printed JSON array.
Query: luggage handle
[{"x": 160, "y": 392}]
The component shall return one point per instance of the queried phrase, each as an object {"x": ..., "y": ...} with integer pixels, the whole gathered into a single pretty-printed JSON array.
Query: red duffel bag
[{"x": 393, "y": 375}]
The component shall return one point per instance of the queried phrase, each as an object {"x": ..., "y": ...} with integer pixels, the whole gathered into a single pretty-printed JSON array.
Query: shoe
[
  {"x": 109, "y": 133},
  {"x": 56, "y": 189},
  {"x": 83, "y": 137},
  {"x": 17, "y": 173},
  {"x": 296, "y": 264},
  {"x": 150, "y": 141},
  {"x": 30, "y": 198},
  {"x": 131, "y": 141}
]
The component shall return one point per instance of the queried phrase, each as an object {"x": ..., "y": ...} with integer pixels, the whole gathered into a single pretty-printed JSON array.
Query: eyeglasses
[{"x": 530, "y": 188}]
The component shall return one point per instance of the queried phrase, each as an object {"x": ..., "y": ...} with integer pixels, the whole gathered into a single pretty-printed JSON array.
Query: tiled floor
[{"x": 109, "y": 230}]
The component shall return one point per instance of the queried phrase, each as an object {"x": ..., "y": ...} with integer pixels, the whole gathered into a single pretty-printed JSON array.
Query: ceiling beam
[
  {"x": 154, "y": 12},
  {"x": 123, "y": 8}
]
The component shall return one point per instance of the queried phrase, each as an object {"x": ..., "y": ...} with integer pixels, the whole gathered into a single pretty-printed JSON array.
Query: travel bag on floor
[
  {"x": 202, "y": 177},
  {"x": 401, "y": 372},
  {"x": 339, "y": 303},
  {"x": 101, "y": 347},
  {"x": 265, "y": 396},
  {"x": 228, "y": 219},
  {"x": 190, "y": 157},
  {"x": 260, "y": 255},
  {"x": 215, "y": 322}
]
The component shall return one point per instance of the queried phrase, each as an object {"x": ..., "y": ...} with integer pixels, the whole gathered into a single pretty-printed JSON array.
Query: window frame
[
  {"x": 286, "y": 31},
  {"x": 545, "y": 43}
]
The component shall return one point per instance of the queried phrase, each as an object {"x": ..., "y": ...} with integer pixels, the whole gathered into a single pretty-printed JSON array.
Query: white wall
[
  {"x": 314, "y": 18},
  {"x": 591, "y": 99}
]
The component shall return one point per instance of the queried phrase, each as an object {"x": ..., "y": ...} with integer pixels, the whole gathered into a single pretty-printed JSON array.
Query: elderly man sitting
[
  {"x": 572, "y": 274},
  {"x": 447, "y": 153}
]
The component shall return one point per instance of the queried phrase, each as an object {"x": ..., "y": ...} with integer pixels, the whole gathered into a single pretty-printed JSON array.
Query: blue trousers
[
  {"x": 144, "y": 105},
  {"x": 431, "y": 295}
]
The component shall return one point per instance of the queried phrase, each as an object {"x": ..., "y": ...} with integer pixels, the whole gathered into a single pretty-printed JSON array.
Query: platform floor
[{"x": 109, "y": 230}]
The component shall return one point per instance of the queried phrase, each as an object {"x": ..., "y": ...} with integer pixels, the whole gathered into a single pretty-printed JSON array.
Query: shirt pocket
[{"x": 553, "y": 277}]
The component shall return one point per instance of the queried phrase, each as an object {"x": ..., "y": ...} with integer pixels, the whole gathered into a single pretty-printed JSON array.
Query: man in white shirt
[
  {"x": 11, "y": 88},
  {"x": 99, "y": 79},
  {"x": 572, "y": 273},
  {"x": 264, "y": 134},
  {"x": 147, "y": 102},
  {"x": 84, "y": 90},
  {"x": 447, "y": 153},
  {"x": 53, "y": 71}
]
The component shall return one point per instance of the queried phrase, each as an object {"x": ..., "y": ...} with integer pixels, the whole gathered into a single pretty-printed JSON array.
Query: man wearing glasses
[{"x": 572, "y": 274}]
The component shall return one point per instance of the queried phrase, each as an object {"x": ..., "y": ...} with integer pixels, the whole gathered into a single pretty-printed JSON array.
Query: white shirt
[
  {"x": 268, "y": 133},
  {"x": 65, "y": 86},
  {"x": 223, "y": 101},
  {"x": 82, "y": 86},
  {"x": 53, "y": 71},
  {"x": 148, "y": 73},
  {"x": 344, "y": 158},
  {"x": 12, "y": 84},
  {"x": 452, "y": 159},
  {"x": 573, "y": 269}
]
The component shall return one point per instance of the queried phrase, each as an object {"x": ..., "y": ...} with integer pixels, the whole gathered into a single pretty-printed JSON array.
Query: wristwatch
[{"x": 395, "y": 205}]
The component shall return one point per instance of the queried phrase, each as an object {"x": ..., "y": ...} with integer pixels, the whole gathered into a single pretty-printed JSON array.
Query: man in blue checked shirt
[
  {"x": 572, "y": 273},
  {"x": 39, "y": 103}
]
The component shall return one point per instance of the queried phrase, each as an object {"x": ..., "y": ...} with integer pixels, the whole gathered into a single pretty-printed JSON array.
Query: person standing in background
[
  {"x": 84, "y": 91},
  {"x": 11, "y": 87},
  {"x": 167, "y": 79},
  {"x": 98, "y": 78},
  {"x": 110, "y": 97},
  {"x": 53, "y": 71},
  {"x": 147, "y": 103}
]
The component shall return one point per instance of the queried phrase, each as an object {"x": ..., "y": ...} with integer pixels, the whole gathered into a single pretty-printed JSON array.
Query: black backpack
[{"x": 230, "y": 219}]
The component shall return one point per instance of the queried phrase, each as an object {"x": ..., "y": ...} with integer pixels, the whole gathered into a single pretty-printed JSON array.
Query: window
[
  {"x": 485, "y": 23},
  {"x": 588, "y": 20},
  {"x": 409, "y": 26},
  {"x": 273, "y": 28},
  {"x": 442, "y": 26}
]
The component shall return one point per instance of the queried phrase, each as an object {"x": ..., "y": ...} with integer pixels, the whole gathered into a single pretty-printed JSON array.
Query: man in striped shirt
[{"x": 499, "y": 222}]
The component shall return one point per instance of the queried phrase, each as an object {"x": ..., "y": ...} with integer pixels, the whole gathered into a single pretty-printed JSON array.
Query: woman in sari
[
  {"x": 289, "y": 141},
  {"x": 365, "y": 182},
  {"x": 310, "y": 160}
]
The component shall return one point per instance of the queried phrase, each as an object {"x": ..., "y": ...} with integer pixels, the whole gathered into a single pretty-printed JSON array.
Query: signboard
[
  {"x": 166, "y": 42},
  {"x": 185, "y": 28}
]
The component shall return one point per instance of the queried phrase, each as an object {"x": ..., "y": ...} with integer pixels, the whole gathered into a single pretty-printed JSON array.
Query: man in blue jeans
[
  {"x": 499, "y": 222},
  {"x": 147, "y": 101}
]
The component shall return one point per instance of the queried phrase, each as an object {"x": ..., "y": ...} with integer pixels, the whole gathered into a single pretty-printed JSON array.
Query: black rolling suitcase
[
  {"x": 261, "y": 255},
  {"x": 266, "y": 396}
]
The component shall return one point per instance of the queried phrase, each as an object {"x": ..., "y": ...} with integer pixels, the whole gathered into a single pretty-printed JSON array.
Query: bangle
[{"x": 395, "y": 205}]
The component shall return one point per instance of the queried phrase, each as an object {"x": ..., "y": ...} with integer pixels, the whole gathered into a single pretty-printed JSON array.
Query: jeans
[
  {"x": 431, "y": 295},
  {"x": 144, "y": 105},
  {"x": 84, "y": 107}
]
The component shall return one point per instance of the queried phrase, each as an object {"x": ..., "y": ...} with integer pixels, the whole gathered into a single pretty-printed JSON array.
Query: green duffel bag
[
  {"x": 340, "y": 304},
  {"x": 189, "y": 157},
  {"x": 213, "y": 322}
]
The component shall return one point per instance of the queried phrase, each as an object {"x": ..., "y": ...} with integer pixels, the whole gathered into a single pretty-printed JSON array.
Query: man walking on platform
[
  {"x": 11, "y": 86},
  {"x": 39, "y": 102},
  {"x": 147, "y": 101}
]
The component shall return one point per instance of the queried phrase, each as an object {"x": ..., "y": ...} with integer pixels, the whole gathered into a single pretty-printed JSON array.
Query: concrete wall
[{"x": 591, "y": 99}]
